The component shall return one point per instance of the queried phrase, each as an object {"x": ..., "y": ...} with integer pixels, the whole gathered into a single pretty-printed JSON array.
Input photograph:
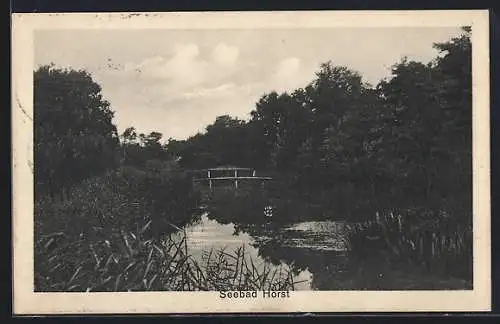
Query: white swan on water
[{"x": 268, "y": 211}]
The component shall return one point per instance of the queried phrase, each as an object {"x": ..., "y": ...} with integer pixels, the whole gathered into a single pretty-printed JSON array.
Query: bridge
[{"x": 227, "y": 173}]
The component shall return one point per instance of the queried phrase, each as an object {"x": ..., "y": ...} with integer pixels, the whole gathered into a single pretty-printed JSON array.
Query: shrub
[
  {"x": 436, "y": 241},
  {"x": 111, "y": 234},
  {"x": 100, "y": 208}
]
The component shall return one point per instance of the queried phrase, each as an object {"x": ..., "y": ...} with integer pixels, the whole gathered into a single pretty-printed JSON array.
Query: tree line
[
  {"x": 74, "y": 134},
  {"x": 405, "y": 142}
]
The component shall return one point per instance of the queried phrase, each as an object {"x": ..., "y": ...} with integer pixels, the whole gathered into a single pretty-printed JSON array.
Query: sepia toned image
[{"x": 245, "y": 167}]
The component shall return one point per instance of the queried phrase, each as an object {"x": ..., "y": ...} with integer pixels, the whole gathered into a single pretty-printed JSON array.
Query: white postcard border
[{"x": 28, "y": 302}]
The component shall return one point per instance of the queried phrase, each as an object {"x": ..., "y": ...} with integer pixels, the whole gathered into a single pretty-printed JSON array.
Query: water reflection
[
  {"x": 317, "y": 247},
  {"x": 309, "y": 248},
  {"x": 316, "y": 251},
  {"x": 209, "y": 234}
]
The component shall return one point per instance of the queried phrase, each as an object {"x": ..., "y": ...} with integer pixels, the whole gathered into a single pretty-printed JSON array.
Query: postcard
[{"x": 222, "y": 162}]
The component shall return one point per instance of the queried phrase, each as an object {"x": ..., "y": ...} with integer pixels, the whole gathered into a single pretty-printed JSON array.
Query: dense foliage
[
  {"x": 403, "y": 143},
  {"x": 91, "y": 189},
  {"x": 73, "y": 130}
]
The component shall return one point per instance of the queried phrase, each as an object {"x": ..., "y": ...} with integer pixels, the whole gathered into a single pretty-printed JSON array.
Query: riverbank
[
  {"x": 434, "y": 242},
  {"x": 320, "y": 256},
  {"x": 421, "y": 240},
  {"x": 113, "y": 233}
]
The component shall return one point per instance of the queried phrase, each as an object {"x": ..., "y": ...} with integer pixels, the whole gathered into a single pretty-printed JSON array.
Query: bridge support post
[{"x": 236, "y": 179}]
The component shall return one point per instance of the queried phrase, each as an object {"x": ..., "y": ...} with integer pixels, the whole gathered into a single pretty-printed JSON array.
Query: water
[
  {"x": 270, "y": 245},
  {"x": 209, "y": 234},
  {"x": 318, "y": 252}
]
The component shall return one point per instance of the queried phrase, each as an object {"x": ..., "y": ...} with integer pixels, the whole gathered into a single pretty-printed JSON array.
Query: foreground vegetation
[
  {"x": 434, "y": 243},
  {"x": 110, "y": 235},
  {"x": 129, "y": 262}
]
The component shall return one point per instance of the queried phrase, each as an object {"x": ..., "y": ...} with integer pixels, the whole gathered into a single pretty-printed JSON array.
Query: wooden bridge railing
[{"x": 233, "y": 175}]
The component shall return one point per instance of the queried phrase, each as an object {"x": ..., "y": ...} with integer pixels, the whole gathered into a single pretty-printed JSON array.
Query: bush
[{"x": 101, "y": 208}]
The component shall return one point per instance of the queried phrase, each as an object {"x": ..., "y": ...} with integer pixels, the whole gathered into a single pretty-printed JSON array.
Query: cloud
[
  {"x": 183, "y": 68},
  {"x": 289, "y": 74},
  {"x": 188, "y": 88},
  {"x": 218, "y": 91},
  {"x": 225, "y": 55},
  {"x": 182, "y": 79}
]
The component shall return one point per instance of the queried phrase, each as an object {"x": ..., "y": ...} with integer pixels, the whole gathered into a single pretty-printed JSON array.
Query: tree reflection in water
[
  {"x": 319, "y": 248},
  {"x": 321, "y": 264},
  {"x": 336, "y": 270},
  {"x": 324, "y": 255}
]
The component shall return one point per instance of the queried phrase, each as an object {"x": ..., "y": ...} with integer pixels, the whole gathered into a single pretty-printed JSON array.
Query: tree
[
  {"x": 454, "y": 81},
  {"x": 283, "y": 120},
  {"x": 146, "y": 148},
  {"x": 453, "y": 73},
  {"x": 427, "y": 137},
  {"x": 406, "y": 142},
  {"x": 412, "y": 119},
  {"x": 74, "y": 134},
  {"x": 334, "y": 91},
  {"x": 129, "y": 135},
  {"x": 223, "y": 142},
  {"x": 332, "y": 101}
]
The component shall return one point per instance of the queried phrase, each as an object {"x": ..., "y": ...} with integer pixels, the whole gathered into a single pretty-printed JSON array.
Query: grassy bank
[
  {"x": 133, "y": 263},
  {"x": 111, "y": 233},
  {"x": 434, "y": 242}
]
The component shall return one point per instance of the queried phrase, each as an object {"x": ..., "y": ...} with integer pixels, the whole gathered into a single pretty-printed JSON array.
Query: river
[{"x": 318, "y": 252}]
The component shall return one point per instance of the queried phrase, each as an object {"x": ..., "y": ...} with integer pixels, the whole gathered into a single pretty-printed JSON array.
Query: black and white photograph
[{"x": 256, "y": 163}]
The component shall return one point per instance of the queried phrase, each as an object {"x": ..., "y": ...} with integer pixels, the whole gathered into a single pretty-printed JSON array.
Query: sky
[{"x": 177, "y": 82}]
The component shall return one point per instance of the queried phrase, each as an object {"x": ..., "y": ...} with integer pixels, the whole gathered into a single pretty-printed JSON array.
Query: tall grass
[
  {"x": 111, "y": 233},
  {"x": 435, "y": 241},
  {"x": 130, "y": 262}
]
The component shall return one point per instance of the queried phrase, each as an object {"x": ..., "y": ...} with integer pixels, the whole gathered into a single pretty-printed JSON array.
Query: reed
[
  {"x": 435, "y": 241},
  {"x": 113, "y": 233},
  {"x": 131, "y": 262}
]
